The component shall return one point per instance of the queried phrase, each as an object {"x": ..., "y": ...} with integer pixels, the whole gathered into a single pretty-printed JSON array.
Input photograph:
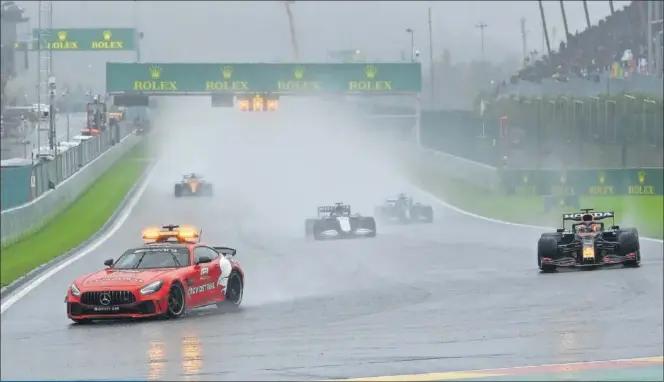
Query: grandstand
[{"x": 617, "y": 46}]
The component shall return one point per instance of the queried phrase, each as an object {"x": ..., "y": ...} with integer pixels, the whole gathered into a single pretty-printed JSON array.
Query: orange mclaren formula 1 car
[
  {"x": 171, "y": 273},
  {"x": 193, "y": 185},
  {"x": 588, "y": 243}
]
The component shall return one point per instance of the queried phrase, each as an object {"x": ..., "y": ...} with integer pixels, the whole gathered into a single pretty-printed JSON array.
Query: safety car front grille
[{"x": 111, "y": 297}]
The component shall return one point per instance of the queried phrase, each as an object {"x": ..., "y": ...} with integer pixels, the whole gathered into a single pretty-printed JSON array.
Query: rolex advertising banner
[{"x": 591, "y": 182}]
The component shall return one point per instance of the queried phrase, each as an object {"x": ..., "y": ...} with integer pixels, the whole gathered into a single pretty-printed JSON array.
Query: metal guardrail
[
  {"x": 583, "y": 88},
  {"x": 19, "y": 221},
  {"x": 22, "y": 184}
]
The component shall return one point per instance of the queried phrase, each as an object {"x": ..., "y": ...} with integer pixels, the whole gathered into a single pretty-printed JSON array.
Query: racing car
[
  {"x": 191, "y": 185},
  {"x": 404, "y": 210},
  {"x": 171, "y": 273},
  {"x": 588, "y": 243},
  {"x": 337, "y": 222}
]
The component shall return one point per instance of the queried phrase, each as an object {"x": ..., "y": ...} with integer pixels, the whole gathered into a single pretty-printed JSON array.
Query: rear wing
[
  {"x": 588, "y": 215},
  {"x": 327, "y": 209},
  {"x": 582, "y": 216}
]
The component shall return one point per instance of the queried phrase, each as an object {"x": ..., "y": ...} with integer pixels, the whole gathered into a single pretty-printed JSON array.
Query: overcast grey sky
[{"x": 190, "y": 31}]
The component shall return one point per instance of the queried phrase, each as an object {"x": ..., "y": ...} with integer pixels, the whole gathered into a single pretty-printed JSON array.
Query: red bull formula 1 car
[
  {"x": 588, "y": 243},
  {"x": 171, "y": 273}
]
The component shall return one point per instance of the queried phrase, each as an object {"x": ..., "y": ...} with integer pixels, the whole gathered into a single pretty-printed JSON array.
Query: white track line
[
  {"x": 464, "y": 212},
  {"x": 23, "y": 291}
]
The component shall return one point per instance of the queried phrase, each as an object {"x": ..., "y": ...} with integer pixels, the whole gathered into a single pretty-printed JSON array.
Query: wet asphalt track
[{"x": 456, "y": 295}]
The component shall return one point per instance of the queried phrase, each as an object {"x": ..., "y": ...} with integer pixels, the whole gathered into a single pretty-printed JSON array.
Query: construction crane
[{"x": 291, "y": 25}]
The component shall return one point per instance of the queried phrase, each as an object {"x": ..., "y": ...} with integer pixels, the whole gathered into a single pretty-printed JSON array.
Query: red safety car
[{"x": 172, "y": 272}]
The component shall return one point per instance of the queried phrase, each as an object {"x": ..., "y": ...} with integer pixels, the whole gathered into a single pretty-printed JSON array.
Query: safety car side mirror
[
  {"x": 108, "y": 262},
  {"x": 203, "y": 260}
]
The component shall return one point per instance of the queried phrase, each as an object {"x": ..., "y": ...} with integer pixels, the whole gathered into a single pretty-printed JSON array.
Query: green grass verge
[
  {"x": 78, "y": 222},
  {"x": 643, "y": 212}
]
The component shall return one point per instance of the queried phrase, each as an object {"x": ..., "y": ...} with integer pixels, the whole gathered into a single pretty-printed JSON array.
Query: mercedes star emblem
[{"x": 105, "y": 298}]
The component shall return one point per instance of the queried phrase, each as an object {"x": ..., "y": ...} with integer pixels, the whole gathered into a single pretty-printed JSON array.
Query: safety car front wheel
[{"x": 176, "y": 302}]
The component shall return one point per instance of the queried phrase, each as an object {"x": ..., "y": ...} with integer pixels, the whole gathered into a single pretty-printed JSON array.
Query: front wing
[
  {"x": 344, "y": 230},
  {"x": 579, "y": 261},
  {"x": 188, "y": 190},
  {"x": 330, "y": 234}
]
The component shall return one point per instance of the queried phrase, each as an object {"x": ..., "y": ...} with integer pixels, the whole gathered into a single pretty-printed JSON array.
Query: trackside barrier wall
[
  {"x": 19, "y": 221},
  {"x": 521, "y": 181},
  {"x": 430, "y": 160},
  {"x": 589, "y": 182},
  {"x": 17, "y": 189}
]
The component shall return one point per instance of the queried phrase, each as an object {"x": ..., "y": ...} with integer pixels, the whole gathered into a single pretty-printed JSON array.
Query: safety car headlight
[
  {"x": 152, "y": 287},
  {"x": 74, "y": 290}
]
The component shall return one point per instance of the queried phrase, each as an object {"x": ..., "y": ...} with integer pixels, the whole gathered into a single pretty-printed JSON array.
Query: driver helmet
[{"x": 587, "y": 227}]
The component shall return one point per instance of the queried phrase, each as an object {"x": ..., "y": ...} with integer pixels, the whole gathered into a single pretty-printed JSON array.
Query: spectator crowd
[{"x": 616, "y": 45}]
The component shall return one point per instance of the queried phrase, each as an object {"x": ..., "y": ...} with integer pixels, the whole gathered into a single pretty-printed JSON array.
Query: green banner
[
  {"x": 85, "y": 39},
  {"x": 169, "y": 78},
  {"x": 592, "y": 182}
]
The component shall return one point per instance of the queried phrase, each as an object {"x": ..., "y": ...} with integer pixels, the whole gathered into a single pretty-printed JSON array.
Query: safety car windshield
[{"x": 153, "y": 257}]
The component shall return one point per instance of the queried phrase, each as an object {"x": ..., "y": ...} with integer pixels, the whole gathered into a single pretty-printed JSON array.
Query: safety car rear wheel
[{"x": 234, "y": 291}]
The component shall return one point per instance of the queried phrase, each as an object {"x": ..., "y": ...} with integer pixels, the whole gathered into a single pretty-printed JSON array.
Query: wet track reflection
[{"x": 416, "y": 299}]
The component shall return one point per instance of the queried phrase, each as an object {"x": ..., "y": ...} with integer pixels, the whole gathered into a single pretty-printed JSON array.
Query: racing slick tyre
[
  {"x": 369, "y": 223},
  {"x": 628, "y": 242},
  {"x": 176, "y": 302},
  {"x": 321, "y": 226},
  {"x": 234, "y": 291},
  {"x": 177, "y": 191},
  {"x": 427, "y": 213},
  {"x": 309, "y": 228},
  {"x": 208, "y": 190},
  {"x": 547, "y": 246}
]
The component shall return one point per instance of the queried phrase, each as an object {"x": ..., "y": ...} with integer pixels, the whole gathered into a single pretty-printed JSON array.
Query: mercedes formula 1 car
[
  {"x": 193, "y": 185},
  {"x": 588, "y": 243},
  {"x": 171, "y": 273},
  {"x": 337, "y": 222},
  {"x": 404, "y": 210}
]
